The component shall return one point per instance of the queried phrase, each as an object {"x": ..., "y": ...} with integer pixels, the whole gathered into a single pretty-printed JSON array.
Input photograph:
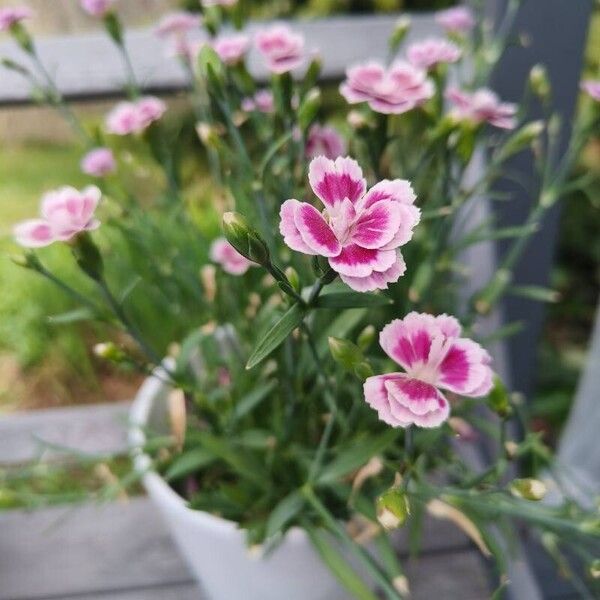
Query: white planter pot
[{"x": 215, "y": 548}]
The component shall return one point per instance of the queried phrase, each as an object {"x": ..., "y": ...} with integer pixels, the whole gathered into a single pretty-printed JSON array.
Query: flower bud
[
  {"x": 528, "y": 489},
  {"x": 113, "y": 27},
  {"x": 244, "y": 239},
  {"x": 357, "y": 120},
  {"x": 309, "y": 108},
  {"x": 401, "y": 28},
  {"x": 498, "y": 400},
  {"x": 293, "y": 278},
  {"x": 110, "y": 351},
  {"x": 313, "y": 71},
  {"x": 539, "y": 82},
  {"x": 393, "y": 508},
  {"x": 363, "y": 370},
  {"x": 522, "y": 138},
  {"x": 22, "y": 37},
  {"x": 207, "y": 134},
  {"x": 594, "y": 569},
  {"x": 88, "y": 256},
  {"x": 366, "y": 337},
  {"x": 28, "y": 261},
  {"x": 345, "y": 353},
  {"x": 7, "y": 63}
]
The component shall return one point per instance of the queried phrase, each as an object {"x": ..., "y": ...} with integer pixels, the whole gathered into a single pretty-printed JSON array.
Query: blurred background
[{"x": 47, "y": 362}]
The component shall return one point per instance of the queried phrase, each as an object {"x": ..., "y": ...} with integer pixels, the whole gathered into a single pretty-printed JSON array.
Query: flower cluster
[
  {"x": 482, "y": 106},
  {"x": 134, "y": 117},
  {"x": 282, "y": 49},
  {"x": 359, "y": 232}
]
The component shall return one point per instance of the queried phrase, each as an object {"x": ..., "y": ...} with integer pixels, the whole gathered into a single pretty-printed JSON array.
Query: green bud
[
  {"x": 293, "y": 278},
  {"x": 363, "y": 370},
  {"x": 211, "y": 68},
  {"x": 366, "y": 337},
  {"x": 246, "y": 240},
  {"x": 113, "y": 27},
  {"x": 528, "y": 489},
  {"x": 313, "y": 72},
  {"x": 539, "y": 81},
  {"x": 498, "y": 400},
  {"x": 28, "y": 261},
  {"x": 309, "y": 108},
  {"x": 522, "y": 138},
  {"x": 7, "y": 63},
  {"x": 22, "y": 37},
  {"x": 402, "y": 27},
  {"x": 345, "y": 353},
  {"x": 320, "y": 265},
  {"x": 110, "y": 351},
  {"x": 88, "y": 256},
  {"x": 393, "y": 508}
]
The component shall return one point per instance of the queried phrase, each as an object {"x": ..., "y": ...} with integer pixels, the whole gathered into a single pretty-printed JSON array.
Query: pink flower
[
  {"x": 456, "y": 20},
  {"x": 434, "y": 357},
  {"x": 262, "y": 101},
  {"x": 209, "y": 3},
  {"x": 98, "y": 162},
  {"x": 396, "y": 90},
  {"x": 133, "y": 117},
  {"x": 324, "y": 141},
  {"x": 177, "y": 24},
  {"x": 592, "y": 88},
  {"x": 11, "y": 15},
  {"x": 359, "y": 232},
  {"x": 97, "y": 8},
  {"x": 65, "y": 213},
  {"x": 431, "y": 52},
  {"x": 231, "y": 261},
  {"x": 482, "y": 106},
  {"x": 231, "y": 48},
  {"x": 281, "y": 47}
]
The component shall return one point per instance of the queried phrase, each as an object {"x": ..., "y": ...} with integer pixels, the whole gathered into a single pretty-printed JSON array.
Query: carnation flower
[
  {"x": 359, "y": 232},
  {"x": 282, "y": 49},
  {"x": 459, "y": 19},
  {"x": 97, "y": 8},
  {"x": 592, "y": 88},
  {"x": 231, "y": 48},
  {"x": 65, "y": 213},
  {"x": 324, "y": 141},
  {"x": 177, "y": 24},
  {"x": 11, "y": 15},
  {"x": 431, "y": 52},
  {"x": 231, "y": 261},
  {"x": 134, "y": 117},
  {"x": 262, "y": 101},
  {"x": 98, "y": 162},
  {"x": 481, "y": 106},
  {"x": 434, "y": 357},
  {"x": 395, "y": 90}
]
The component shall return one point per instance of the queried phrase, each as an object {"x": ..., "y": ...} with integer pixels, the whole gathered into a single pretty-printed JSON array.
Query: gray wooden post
[{"x": 557, "y": 33}]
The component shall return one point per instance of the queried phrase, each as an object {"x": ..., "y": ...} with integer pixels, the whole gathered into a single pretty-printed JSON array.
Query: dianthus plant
[{"x": 326, "y": 347}]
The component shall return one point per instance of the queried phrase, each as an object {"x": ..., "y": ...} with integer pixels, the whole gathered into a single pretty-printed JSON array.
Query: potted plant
[{"x": 316, "y": 374}]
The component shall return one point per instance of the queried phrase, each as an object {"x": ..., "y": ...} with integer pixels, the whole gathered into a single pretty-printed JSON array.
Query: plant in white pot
[{"x": 316, "y": 375}]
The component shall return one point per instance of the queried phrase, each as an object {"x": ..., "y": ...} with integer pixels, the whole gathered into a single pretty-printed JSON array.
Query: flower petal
[
  {"x": 377, "y": 396},
  {"x": 377, "y": 225},
  {"x": 465, "y": 369},
  {"x": 356, "y": 261},
  {"x": 377, "y": 280},
  {"x": 408, "y": 341},
  {"x": 399, "y": 190},
  {"x": 288, "y": 229},
  {"x": 34, "y": 233},
  {"x": 315, "y": 231},
  {"x": 332, "y": 181}
]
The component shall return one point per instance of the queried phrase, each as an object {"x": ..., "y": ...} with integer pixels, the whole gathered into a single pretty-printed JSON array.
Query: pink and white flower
[
  {"x": 231, "y": 48},
  {"x": 177, "y": 24},
  {"x": 395, "y": 90},
  {"x": 262, "y": 101},
  {"x": 231, "y": 261},
  {"x": 98, "y": 162},
  {"x": 134, "y": 117},
  {"x": 11, "y": 15},
  {"x": 324, "y": 141},
  {"x": 431, "y": 52},
  {"x": 282, "y": 49},
  {"x": 65, "y": 213},
  {"x": 482, "y": 106},
  {"x": 434, "y": 357},
  {"x": 459, "y": 19},
  {"x": 97, "y": 8},
  {"x": 210, "y": 3},
  {"x": 359, "y": 232},
  {"x": 592, "y": 89}
]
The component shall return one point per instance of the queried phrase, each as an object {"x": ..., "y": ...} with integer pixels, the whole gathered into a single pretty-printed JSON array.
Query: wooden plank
[
  {"x": 96, "y": 429},
  {"x": 87, "y": 65}
]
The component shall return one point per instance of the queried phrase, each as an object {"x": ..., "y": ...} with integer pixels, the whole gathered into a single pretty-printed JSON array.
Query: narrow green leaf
[
  {"x": 352, "y": 300},
  {"x": 189, "y": 462},
  {"x": 284, "y": 512},
  {"x": 72, "y": 316},
  {"x": 534, "y": 292},
  {"x": 250, "y": 401},
  {"x": 275, "y": 336},
  {"x": 503, "y": 233},
  {"x": 336, "y": 563},
  {"x": 353, "y": 457}
]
